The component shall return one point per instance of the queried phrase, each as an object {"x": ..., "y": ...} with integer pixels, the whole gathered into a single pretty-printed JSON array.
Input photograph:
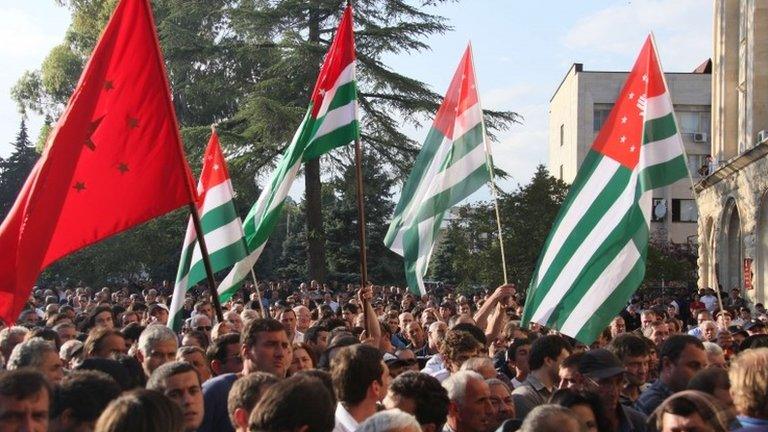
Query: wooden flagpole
[
  {"x": 206, "y": 262},
  {"x": 258, "y": 293},
  {"x": 361, "y": 227},
  {"x": 361, "y": 219}
]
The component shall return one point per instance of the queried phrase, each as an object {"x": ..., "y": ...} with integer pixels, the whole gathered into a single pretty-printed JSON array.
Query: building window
[
  {"x": 684, "y": 210},
  {"x": 658, "y": 210},
  {"x": 599, "y": 117},
  {"x": 562, "y": 134},
  {"x": 694, "y": 122}
]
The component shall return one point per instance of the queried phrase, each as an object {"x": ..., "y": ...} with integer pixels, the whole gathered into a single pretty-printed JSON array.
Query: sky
[{"x": 522, "y": 51}]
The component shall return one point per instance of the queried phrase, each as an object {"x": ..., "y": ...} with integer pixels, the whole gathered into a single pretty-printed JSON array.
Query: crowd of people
[{"x": 320, "y": 358}]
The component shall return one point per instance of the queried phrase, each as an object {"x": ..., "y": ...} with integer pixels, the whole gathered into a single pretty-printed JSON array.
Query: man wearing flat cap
[{"x": 603, "y": 373}]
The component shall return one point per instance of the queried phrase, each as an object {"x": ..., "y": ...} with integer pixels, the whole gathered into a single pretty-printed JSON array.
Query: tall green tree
[
  {"x": 15, "y": 169},
  {"x": 527, "y": 216},
  {"x": 297, "y": 33}
]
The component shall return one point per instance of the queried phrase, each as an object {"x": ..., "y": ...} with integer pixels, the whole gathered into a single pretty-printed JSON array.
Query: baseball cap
[
  {"x": 600, "y": 363},
  {"x": 753, "y": 324}
]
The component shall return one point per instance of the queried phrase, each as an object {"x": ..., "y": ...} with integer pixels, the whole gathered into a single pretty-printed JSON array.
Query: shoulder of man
[
  {"x": 651, "y": 398},
  {"x": 215, "y": 394},
  {"x": 219, "y": 383}
]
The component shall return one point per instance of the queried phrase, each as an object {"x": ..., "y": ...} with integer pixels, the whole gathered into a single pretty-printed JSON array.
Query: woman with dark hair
[
  {"x": 196, "y": 338},
  {"x": 303, "y": 358},
  {"x": 692, "y": 408},
  {"x": 586, "y": 406},
  {"x": 141, "y": 410},
  {"x": 100, "y": 316}
]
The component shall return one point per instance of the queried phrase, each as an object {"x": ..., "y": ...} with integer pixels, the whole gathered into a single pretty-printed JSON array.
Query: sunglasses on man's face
[{"x": 204, "y": 328}]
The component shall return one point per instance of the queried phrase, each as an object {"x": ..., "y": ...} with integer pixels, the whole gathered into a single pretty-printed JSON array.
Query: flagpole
[
  {"x": 258, "y": 293},
  {"x": 190, "y": 184},
  {"x": 494, "y": 191},
  {"x": 361, "y": 217},
  {"x": 361, "y": 226},
  {"x": 206, "y": 262},
  {"x": 685, "y": 155}
]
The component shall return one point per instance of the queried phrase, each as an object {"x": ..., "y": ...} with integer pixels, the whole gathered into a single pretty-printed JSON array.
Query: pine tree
[
  {"x": 342, "y": 222},
  {"x": 15, "y": 169}
]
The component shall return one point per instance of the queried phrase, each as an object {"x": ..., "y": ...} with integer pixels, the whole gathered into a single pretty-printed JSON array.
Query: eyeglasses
[{"x": 204, "y": 328}]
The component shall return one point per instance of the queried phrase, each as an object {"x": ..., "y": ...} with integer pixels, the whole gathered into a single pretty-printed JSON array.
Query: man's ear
[
  {"x": 241, "y": 418},
  {"x": 139, "y": 356},
  {"x": 375, "y": 390}
]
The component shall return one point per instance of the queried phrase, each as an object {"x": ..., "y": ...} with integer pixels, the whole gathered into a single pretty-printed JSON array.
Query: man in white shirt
[
  {"x": 709, "y": 300},
  {"x": 288, "y": 318},
  {"x": 360, "y": 378}
]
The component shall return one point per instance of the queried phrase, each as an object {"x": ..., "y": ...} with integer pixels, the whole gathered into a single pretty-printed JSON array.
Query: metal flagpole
[{"x": 489, "y": 163}]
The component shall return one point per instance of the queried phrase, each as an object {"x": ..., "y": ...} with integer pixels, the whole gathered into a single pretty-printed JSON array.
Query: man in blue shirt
[
  {"x": 265, "y": 348},
  {"x": 680, "y": 357}
]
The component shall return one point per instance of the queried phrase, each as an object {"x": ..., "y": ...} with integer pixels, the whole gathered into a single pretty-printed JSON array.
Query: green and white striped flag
[
  {"x": 221, "y": 225},
  {"x": 452, "y": 164},
  {"x": 594, "y": 258},
  {"x": 331, "y": 121}
]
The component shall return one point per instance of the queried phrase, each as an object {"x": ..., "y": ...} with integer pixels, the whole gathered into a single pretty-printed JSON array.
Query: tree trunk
[{"x": 314, "y": 210}]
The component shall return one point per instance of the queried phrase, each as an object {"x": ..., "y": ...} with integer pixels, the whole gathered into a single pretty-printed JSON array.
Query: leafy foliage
[
  {"x": 249, "y": 66},
  {"x": 469, "y": 254}
]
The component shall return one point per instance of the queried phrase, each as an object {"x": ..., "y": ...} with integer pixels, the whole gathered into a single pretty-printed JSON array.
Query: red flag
[{"x": 114, "y": 160}]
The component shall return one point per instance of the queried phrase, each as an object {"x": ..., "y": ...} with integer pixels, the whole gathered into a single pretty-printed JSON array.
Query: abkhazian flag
[
  {"x": 331, "y": 121},
  {"x": 452, "y": 164},
  {"x": 221, "y": 226},
  {"x": 594, "y": 258}
]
